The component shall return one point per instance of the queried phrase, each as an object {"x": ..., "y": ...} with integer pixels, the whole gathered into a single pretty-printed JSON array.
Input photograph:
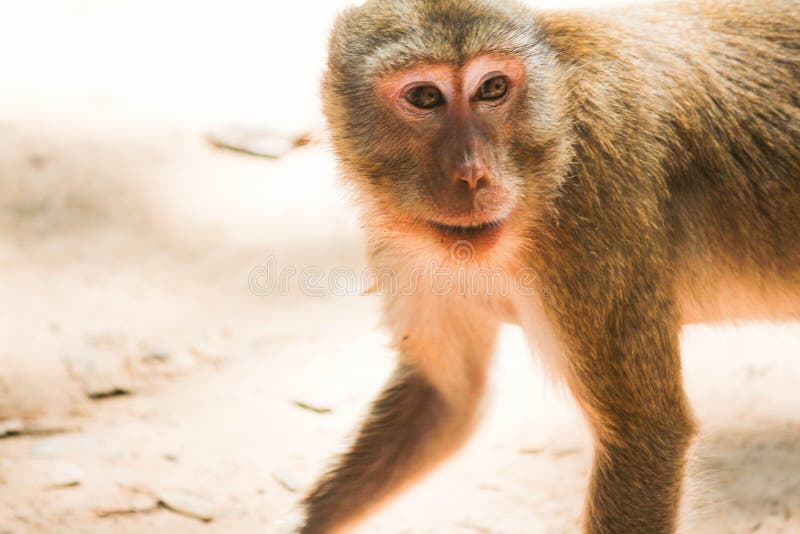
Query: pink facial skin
[
  {"x": 471, "y": 195},
  {"x": 458, "y": 84}
]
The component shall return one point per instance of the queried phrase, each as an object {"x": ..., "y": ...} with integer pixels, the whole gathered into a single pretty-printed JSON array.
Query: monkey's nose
[{"x": 475, "y": 176}]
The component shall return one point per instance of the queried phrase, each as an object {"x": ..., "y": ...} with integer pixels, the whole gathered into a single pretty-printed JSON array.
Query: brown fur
[{"x": 654, "y": 163}]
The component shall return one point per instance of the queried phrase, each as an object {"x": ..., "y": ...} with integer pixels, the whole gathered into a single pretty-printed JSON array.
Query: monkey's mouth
[{"x": 467, "y": 231}]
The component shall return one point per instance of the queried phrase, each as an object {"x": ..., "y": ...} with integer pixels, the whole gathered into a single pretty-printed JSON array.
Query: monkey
[{"x": 642, "y": 162}]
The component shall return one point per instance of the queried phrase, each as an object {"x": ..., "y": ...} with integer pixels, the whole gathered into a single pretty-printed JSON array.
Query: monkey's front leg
[
  {"x": 425, "y": 412},
  {"x": 625, "y": 371}
]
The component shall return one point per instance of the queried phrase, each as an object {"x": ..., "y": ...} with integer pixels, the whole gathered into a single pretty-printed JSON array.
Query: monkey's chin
[{"x": 483, "y": 234}]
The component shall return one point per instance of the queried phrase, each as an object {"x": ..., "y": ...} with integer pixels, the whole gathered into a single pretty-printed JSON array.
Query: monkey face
[
  {"x": 446, "y": 121},
  {"x": 456, "y": 121}
]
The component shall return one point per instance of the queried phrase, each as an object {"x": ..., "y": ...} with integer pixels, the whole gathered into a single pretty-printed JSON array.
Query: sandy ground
[{"x": 134, "y": 259}]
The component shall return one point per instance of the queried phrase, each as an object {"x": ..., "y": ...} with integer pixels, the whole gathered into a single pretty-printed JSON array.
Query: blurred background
[{"x": 152, "y": 378}]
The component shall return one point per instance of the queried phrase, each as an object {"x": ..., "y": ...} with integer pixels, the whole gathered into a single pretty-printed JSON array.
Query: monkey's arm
[
  {"x": 630, "y": 387},
  {"x": 619, "y": 323},
  {"x": 426, "y": 411}
]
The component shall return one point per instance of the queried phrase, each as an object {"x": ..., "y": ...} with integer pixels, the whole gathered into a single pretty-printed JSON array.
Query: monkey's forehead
[{"x": 385, "y": 35}]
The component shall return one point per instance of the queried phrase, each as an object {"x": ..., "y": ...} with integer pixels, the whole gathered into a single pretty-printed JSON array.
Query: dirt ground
[{"x": 148, "y": 370}]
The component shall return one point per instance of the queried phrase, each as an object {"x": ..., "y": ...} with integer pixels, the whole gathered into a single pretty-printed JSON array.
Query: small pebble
[
  {"x": 323, "y": 410},
  {"x": 65, "y": 475},
  {"x": 10, "y": 427},
  {"x": 188, "y": 505},
  {"x": 126, "y": 503},
  {"x": 286, "y": 480}
]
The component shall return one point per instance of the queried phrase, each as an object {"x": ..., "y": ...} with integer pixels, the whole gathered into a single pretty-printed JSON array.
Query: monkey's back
[{"x": 701, "y": 102}]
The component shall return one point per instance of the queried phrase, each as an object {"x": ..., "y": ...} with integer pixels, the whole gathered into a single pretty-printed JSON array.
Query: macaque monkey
[{"x": 643, "y": 162}]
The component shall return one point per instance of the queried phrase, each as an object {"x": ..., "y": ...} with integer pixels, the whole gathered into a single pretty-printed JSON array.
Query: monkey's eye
[
  {"x": 493, "y": 89},
  {"x": 425, "y": 97}
]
